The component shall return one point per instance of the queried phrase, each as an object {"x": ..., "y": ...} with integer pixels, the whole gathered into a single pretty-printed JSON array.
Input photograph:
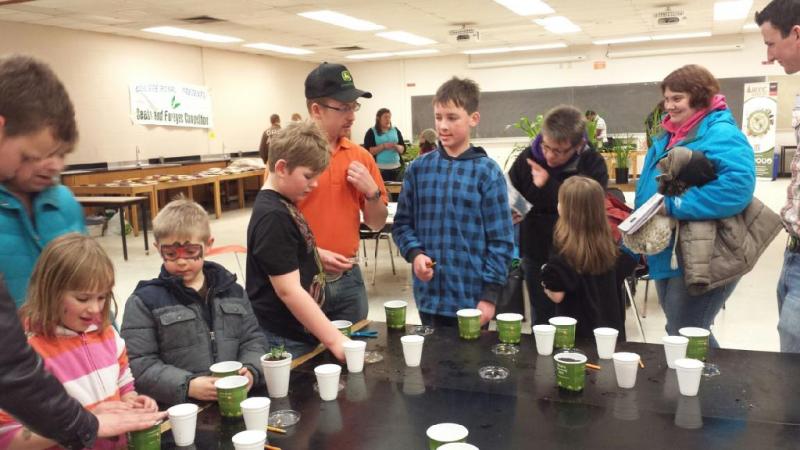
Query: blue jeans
[
  {"x": 789, "y": 303},
  {"x": 296, "y": 348},
  {"x": 346, "y": 298},
  {"x": 685, "y": 310}
]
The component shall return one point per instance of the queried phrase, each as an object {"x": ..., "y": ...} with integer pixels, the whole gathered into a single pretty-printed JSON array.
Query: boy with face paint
[{"x": 190, "y": 317}]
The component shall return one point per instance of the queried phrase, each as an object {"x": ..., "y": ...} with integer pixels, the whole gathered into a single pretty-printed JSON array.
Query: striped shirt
[{"x": 92, "y": 366}]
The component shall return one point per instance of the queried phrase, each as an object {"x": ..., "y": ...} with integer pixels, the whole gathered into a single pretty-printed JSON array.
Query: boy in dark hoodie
[
  {"x": 190, "y": 317},
  {"x": 453, "y": 221}
]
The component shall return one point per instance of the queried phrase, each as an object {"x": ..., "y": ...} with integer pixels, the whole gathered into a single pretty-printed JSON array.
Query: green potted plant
[
  {"x": 531, "y": 129},
  {"x": 277, "y": 364},
  {"x": 622, "y": 152}
]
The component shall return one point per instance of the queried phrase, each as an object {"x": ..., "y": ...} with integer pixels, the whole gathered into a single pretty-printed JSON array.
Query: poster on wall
[
  {"x": 758, "y": 124},
  {"x": 171, "y": 104}
]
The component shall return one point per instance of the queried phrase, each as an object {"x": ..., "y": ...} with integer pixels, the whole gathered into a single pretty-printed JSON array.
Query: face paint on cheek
[{"x": 177, "y": 250}]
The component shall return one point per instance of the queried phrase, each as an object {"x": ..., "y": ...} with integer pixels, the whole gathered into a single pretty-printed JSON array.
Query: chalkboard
[{"x": 623, "y": 106}]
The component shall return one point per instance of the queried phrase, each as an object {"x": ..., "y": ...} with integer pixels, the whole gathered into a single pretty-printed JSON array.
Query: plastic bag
[{"x": 113, "y": 225}]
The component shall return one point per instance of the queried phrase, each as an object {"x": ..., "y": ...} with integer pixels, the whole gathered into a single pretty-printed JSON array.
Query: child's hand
[
  {"x": 538, "y": 173},
  {"x": 202, "y": 388},
  {"x": 516, "y": 217},
  {"x": 143, "y": 403},
  {"x": 337, "y": 348},
  {"x": 555, "y": 296},
  {"x": 111, "y": 407},
  {"x": 423, "y": 267},
  {"x": 487, "y": 310},
  {"x": 246, "y": 373}
]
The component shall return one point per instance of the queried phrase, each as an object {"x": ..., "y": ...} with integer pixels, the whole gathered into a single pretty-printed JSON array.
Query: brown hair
[
  {"x": 582, "y": 235},
  {"x": 564, "y": 123},
  {"x": 694, "y": 80},
  {"x": 463, "y": 92},
  {"x": 378, "y": 116},
  {"x": 273, "y": 119},
  {"x": 300, "y": 144},
  {"x": 72, "y": 262},
  {"x": 32, "y": 98},
  {"x": 183, "y": 219},
  {"x": 782, "y": 14}
]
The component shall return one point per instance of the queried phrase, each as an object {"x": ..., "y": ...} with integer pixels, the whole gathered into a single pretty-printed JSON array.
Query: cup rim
[
  {"x": 688, "y": 363},
  {"x": 562, "y": 320},
  {"x": 182, "y": 410},
  {"x": 606, "y": 331},
  {"x": 457, "y": 446},
  {"x": 249, "y": 437},
  {"x": 571, "y": 355},
  {"x": 509, "y": 317},
  {"x": 694, "y": 332},
  {"x": 255, "y": 403},
  {"x": 394, "y": 304},
  {"x": 412, "y": 339},
  {"x": 447, "y": 432},
  {"x": 231, "y": 382},
  {"x": 675, "y": 340},
  {"x": 225, "y": 366},
  {"x": 468, "y": 312},
  {"x": 328, "y": 369},
  {"x": 544, "y": 328},
  {"x": 354, "y": 345},
  {"x": 342, "y": 323},
  {"x": 626, "y": 357}
]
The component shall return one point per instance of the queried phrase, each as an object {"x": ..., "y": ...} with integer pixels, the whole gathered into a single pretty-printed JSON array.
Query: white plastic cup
[
  {"x": 674, "y": 348},
  {"x": 458, "y": 446},
  {"x": 250, "y": 440},
  {"x": 443, "y": 433},
  {"x": 277, "y": 374},
  {"x": 626, "y": 365},
  {"x": 183, "y": 421},
  {"x": 256, "y": 412},
  {"x": 412, "y": 349},
  {"x": 328, "y": 380},
  {"x": 606, "y": 339},
  {"x": 354, "y": 355},
  {"x": 544, "y": 335},
  {"x": 689, "y": 373}
]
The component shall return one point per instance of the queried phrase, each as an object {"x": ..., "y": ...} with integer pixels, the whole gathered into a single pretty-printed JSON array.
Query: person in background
[
  {"x": 580, "y": 276},
  {"x": 350, "y": 186},
  {"x": 285, "y": 279},
  {"x": 780, "y": 28},
  {"x": 68, "y": 323},
  {"x": 36, "y": 119},
  {"x": 453, "y": 221},
  {"x": 559, "y": 152},
  {"x": 600, "y": 130},
  {"x": 427, "y": 141},
  {"x": 697, "y": 118},
  {"x": 386, "y": 144},
  {"x": 263, "y": 146},
  {"x": 190, "y": 317},
  {"x": 296, "y": 117}
]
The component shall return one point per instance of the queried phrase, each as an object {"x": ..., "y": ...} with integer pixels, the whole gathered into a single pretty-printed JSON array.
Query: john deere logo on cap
[{"x": 346, "y": 76}]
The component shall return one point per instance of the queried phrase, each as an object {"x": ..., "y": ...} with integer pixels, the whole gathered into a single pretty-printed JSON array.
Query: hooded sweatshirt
[{"x": 455, "y": 210}]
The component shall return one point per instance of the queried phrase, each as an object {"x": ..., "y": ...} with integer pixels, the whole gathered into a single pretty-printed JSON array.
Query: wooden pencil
[
  {"x": 276, "y": 429},
  {"x": 593, "y": 366}
]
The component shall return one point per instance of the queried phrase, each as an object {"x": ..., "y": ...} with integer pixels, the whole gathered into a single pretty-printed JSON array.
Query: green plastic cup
[
  {"x": 469, "y": 323},
  {"x": 231, "y": 392},
  {"x": 345, "y": 326},
  {"x": 565, "y": 331},
  {"x": 698, "y": 342},
  {"x": 147, "y": 439},
  {"x": 395, "y": 314},
  {"x": 509, "y": 327},
  {"x": 443, "y": 433},
  {"x": 225, "y": 369},
  {"x": 570, "y": 370}
]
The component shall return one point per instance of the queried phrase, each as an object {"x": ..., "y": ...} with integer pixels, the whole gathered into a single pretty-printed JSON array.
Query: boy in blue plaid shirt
[{"x": 453, "y": 221}]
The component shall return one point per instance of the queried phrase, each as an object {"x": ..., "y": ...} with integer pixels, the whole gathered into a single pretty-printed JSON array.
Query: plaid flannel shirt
[{"x": 790, "y": 213}]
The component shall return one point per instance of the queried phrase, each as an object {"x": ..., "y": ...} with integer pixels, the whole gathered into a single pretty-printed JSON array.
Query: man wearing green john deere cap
[{"x": 350, "y": 185}]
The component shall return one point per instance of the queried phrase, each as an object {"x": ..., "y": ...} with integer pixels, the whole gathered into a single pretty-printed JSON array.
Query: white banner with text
[{"x": 171, "y": 104}]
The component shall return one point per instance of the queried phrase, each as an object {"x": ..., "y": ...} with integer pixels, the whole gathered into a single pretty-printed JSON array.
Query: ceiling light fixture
[
  {"x": 191, "y": 34},
  {"x": 622, "y": 40},
  {"x": 665, "y": 37},
  {"x": 674, "y": 51},
  {"x": 405, "y": 37},
  {"x": 370, "y": 55},
  {"x": 424, "y": 51},
  {"x": 732, "y": 10},
  {"x": 341, "y": 20},
  {"x": 527, "y": 7},
  {"x": 520, "y": 48},
  {"x": 558, "y": 25},
  {"x": 279, "y": 48}
]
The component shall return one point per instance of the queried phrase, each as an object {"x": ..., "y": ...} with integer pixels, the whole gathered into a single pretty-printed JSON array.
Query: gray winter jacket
[
  {"x": 173, "y": 335},
  {"x": 717, "y": 252}
]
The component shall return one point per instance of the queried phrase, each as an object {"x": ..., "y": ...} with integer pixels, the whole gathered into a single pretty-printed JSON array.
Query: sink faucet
[{"x": 138, "y": 162}]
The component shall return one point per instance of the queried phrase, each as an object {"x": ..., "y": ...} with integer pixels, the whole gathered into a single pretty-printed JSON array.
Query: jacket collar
[
  {"x": 66, "y": 332},
  {"x": 48, "y": 197},
  {"x": 217, "y": 277}
]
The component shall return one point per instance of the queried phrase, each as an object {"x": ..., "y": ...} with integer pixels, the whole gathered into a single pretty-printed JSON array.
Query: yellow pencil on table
[
  {"x": 641, "y": 364},
  {"x": 276, "y": 429},
  {"x": 593, "y": 366},
  {"x": 269, "y": 447}
]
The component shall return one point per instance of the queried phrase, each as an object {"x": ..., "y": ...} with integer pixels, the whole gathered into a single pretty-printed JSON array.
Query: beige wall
[{"x": 97, "y": 69}]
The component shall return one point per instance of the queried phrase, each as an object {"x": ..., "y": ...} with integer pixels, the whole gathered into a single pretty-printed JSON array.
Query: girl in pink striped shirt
[{"x": 67, "y": 318}]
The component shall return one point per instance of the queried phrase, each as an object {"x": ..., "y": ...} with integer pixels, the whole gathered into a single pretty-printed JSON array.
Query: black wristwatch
[{"x": 376, "y": 195}]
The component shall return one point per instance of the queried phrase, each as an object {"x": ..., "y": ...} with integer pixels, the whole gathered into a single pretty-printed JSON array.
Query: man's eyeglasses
[
  {"x": 343, "y": 109},
  {"x": 558, "y": 152}
]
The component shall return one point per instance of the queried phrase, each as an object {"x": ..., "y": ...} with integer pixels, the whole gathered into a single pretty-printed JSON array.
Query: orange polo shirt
[{"x": 332, "y": 210}]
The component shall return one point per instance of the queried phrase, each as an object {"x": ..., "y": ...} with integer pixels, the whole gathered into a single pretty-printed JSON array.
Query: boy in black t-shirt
[{"x": 285, "y": 280}]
